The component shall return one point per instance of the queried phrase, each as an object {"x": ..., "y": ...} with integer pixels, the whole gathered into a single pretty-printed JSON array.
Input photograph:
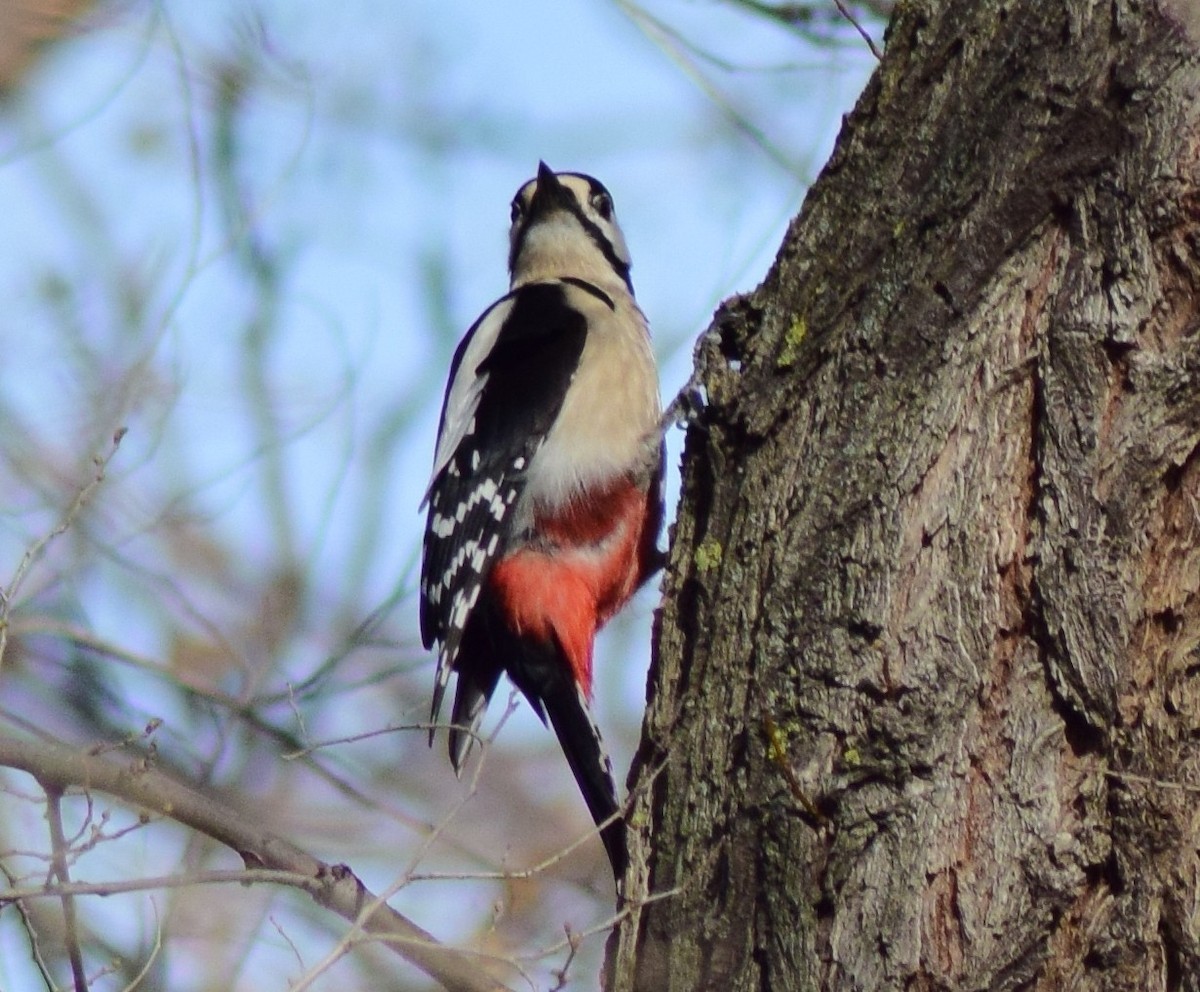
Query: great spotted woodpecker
[{"x": 545, "y": 503}]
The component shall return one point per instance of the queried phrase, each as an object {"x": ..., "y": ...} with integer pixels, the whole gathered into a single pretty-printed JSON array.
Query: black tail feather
[
  {"x": 478, "y": 675},
  {"x": 580, "y": 739},
  {"x": 541, "y": 672},
  {"x": 471, "y": 698}
]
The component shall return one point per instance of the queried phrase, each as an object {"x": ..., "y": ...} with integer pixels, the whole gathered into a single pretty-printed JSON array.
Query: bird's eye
[
  {"x": 517, "y": 209},
  {"x": 602, "y": 204}
]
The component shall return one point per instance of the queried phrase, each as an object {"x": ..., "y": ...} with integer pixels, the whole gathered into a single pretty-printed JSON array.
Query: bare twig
[
  {"x": 59, "y": 847},
  {"x": 34, "y": 553},
  {"x": 561, "y": 974},
  {"x": 31, "y": 932},
  {"x": 335, "y": 887},
  {"x": 514, "y": 874},
  {"x": 807, "y": 17},
  {"x": 841, "y": 6},
  {"x": 343, "y": 946},
  {"x": 287, "y": 940},
  {"x": 246, "y": 710},
  {"x": 239, "y": 876},
  {"x": 668, "y": 40},
  {"x": 574, "y": 939},
  {"x": 150, "y": 958},
  {"x": 335, "y": 954}
]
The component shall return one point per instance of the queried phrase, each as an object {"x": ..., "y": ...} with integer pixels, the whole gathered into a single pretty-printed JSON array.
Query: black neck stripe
[
  {"x": 620, "y": 267},
  {"x": 588, "y": 287},
  {"x": 601, "y": 242}
]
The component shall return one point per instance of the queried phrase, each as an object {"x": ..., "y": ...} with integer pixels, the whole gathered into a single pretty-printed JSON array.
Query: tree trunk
[{"x": 925, "y": 712}]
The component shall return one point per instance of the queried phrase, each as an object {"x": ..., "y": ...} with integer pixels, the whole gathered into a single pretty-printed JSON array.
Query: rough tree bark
[{"x": 939, "y": 554}]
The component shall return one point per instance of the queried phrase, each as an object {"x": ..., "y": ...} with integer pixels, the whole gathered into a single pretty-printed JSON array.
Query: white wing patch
[
  {"x": 462, "y": 399},
  {"x": 465, "y": 570}
]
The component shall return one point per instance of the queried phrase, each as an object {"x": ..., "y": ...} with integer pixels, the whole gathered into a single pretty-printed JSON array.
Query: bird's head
[{"x": 564, "y": 224}]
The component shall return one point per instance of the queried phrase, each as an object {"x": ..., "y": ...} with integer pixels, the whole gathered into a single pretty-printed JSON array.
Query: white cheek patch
[{"x": 560, "y": 235}]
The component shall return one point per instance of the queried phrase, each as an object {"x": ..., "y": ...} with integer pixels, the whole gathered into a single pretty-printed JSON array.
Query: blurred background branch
[
  {"x": 142, "y": 786},
  {"x": 27, "y": 27}
]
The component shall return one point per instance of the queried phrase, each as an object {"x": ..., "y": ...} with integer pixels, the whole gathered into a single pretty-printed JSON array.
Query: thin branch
[
  {"x": 561, "y": 974},
  {"x": 804, "y": 17},
  {"x": 283, "y": 935},
  {"x": 344, "y": 945},
  {"x": 240, "y": 876},
  {"x": 34, "y": 553},
  {"x": 335, "y": 887},
  {"x": 574, "y": 939},
  {"x": 246, "y": 710},
  {"x": 152, "y": 956},
  {"x": 842, "y": 9},
  {"x": 336, "y": 953},
  {"x": 672, "y": 45},
  {"x": 59, "y": 847},
  {"x": 31, "y": 932}
]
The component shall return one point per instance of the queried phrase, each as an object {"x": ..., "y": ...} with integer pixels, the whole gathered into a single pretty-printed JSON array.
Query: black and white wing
[{"x": 507, "y": 382}]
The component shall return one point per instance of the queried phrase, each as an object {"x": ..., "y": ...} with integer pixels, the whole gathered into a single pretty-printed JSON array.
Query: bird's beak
[{"x": 549, "y": 193}]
